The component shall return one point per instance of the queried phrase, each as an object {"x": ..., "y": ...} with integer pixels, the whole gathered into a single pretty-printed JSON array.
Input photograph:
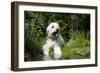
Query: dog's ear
[{"x": 47, "y": 30}]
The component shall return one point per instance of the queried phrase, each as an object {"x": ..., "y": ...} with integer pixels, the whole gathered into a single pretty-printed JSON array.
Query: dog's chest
[{"x": 53, "y": 43}]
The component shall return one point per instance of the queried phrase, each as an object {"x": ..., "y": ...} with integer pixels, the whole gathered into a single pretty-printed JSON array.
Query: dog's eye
[{"x": 52, "y": 26}]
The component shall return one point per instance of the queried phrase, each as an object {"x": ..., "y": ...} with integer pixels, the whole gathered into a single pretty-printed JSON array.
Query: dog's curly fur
[{"x": 54, "y": 40}]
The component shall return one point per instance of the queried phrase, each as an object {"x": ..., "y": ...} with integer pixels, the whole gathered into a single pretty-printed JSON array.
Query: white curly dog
[{"x": 54, "y": 40}]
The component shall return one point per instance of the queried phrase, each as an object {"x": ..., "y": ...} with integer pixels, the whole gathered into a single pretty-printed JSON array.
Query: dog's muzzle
[{"x": 55, "y": 34}]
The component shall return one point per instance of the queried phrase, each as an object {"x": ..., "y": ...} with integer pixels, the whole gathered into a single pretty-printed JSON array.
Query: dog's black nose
[{"x": 57, "y": 30}]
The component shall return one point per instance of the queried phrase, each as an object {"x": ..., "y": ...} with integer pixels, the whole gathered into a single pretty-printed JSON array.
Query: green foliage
[
  {"x": 35, "y": 24},
  {"x": 77, "y": 47}
]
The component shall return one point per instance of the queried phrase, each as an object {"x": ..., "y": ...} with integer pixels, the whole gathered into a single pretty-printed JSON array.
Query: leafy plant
[{"x": 78, "y": 47}]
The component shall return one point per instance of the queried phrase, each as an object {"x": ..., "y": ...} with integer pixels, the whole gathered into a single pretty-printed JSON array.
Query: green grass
[{"x": 78, "y": 47}]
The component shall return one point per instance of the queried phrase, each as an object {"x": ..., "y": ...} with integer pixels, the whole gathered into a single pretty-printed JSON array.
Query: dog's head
[{"x": 53, "y": 30}]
